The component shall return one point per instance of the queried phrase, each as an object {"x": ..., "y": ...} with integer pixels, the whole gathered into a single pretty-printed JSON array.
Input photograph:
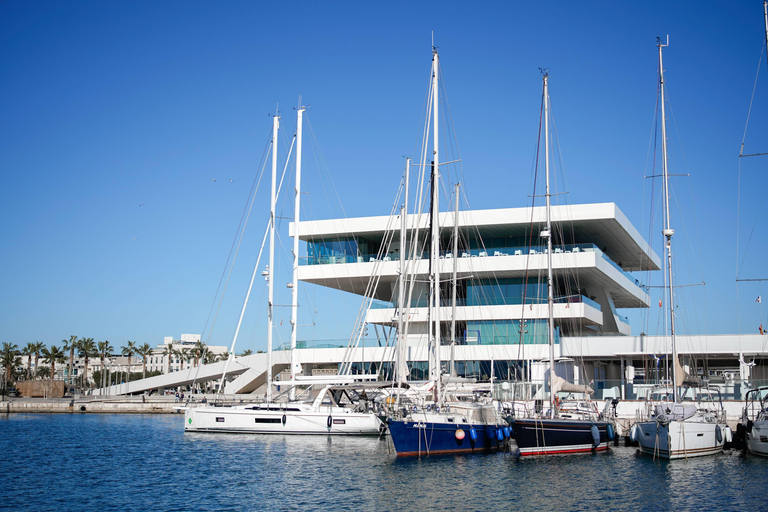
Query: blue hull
[
  {"x": 553, "y": 436},
  {"x": 416, "y": 438}
]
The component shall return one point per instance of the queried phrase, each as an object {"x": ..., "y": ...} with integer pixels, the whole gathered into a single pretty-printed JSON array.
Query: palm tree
[
  {"x": 198, "y": 351},
  {"x": 128, "y": 350},
  {"x": 10, "y": 359},
  {"x": 246, "y": 352},
  {"x": 28, "y": 351},
  {"x": 44, "y": 371},
  {"x": 144, "y": 351},
  {"x": 105, "y": 349},
  {"x": 39, "y": 346},
  {"x": 223, "y": 356},
  {"x": 210, "y": 357},
  {"x": 183, "y": 354},
  {"x": 86, "y": 348},
  {"x": 70, "y": 345},
  {"x": 53, "y": 355},
  {"x": 168, "y": 351}
]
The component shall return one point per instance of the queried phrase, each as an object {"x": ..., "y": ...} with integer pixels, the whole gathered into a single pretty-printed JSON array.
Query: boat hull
[
  {"x": 307, "y": 422},
  {"x": 680, "y": 439},
  {"x": 416, "y": 438},
  {"x": 757, "y": 438},
  {"x": 558, "y": 436}
]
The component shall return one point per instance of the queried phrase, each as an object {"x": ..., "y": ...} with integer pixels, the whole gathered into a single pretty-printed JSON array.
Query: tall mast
[
  {"x": 295, "y": 283},
  {"x": 765, "y": 12},
  {"x": 548, "y": 235},
  {"x": 435, "y": 252},
  {"x": 668, "y": 231},
  {"x": 453, "y": 281},
  {"x": 271, "y": 269},
  {"x": 402, "y": 367}
]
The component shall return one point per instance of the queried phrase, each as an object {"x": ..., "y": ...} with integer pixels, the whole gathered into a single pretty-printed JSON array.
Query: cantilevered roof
[{"x": 602, "y": 224}]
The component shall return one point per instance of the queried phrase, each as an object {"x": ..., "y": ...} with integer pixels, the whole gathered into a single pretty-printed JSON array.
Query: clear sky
[{"x": 117, "y": 117}]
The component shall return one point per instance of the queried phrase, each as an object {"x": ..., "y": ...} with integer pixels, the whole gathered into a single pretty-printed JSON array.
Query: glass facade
[{"x": 508, "y": 332}]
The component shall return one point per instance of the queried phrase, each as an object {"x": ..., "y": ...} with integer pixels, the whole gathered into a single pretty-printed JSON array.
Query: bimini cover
[
  {"x": 560, "y": 384},
  {"x": 675, "y": 411}
]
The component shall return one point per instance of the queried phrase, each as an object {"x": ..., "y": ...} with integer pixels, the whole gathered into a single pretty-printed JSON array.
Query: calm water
[{"x": 147, "y": 462}]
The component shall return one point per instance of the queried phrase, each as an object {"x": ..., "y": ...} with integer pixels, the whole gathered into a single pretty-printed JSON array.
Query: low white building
[{"x": 184, "y": 353}]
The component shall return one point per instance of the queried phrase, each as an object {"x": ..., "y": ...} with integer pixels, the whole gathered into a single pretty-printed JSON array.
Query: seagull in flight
[
  {"x": 213, "y": 180},
  {"x": 142, "y": 204}
]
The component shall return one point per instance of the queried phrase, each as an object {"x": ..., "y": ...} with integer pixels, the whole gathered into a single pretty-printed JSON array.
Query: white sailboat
[
  {"x": 679, "y": 427},
  {"x": 755, "y": 421},
  {"x": 334, "y": 410},
  {"x": 753, "y": 428}
]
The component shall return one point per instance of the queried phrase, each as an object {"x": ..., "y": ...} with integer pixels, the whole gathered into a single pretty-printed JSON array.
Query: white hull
[
  {"x": 281, "y": 419},
  {"x": 680, "y": 439},
  {"x": 757, "y": 438}
]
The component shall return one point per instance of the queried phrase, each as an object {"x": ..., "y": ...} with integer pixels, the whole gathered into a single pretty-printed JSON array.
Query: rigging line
[
  {"x": 252, "y": 192},
  {"x": 751, "y": 100},
  {"x": 231, "y": 258},
  {"x": 752, "y": 231}
]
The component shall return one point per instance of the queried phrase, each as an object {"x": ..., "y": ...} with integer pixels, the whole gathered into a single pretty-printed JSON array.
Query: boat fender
[
  {"x": 609, "y": 432},
  {"x": 728, "y": 434},
  {"x": 499, "y": 434},
  {"x": 507, "y": 432},
  {"x": 284, "y": 418},
  {"x": 595, "y": 436},
  {"x": 749, "y": 426},
  {"x": 633, "y": 433},
  {"x": 330, "y": 421},
  {"x": 718, "y": 434},
  {"x": 82, "y": 408},
  {"x": 459, "y": 435},
  {"x": 511, "y": 432},
  {"x": 473, "y": 434}
]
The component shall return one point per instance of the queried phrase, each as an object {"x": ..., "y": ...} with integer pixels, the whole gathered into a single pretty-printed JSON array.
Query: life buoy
[{"x": 330, "y": 421}]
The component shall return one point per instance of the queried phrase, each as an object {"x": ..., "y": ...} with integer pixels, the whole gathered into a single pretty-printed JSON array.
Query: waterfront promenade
[{"x": 163, "y": 404}]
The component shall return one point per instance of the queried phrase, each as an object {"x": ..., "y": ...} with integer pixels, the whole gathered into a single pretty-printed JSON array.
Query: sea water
[{"x": 147, "y": 462}]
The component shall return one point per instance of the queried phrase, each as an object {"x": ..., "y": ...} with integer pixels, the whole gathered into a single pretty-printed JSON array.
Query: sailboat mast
[
  {"x": 295, "y": 283},
  {"x": 435, "y": 252},
  {"x": 402, "y": 367},
  {"x": 765, "y": 13},
  {"x": 548, "y": 235},
  {"x": 453, "y": 281},
  {"x": 668, "y": 231},
  {"x": 271, "y": 269}
]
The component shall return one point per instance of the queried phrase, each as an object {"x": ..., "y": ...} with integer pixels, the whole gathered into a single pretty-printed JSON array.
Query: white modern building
[
  {"x": 177, "y": 354},
  {"x": 500, "y": 265}
]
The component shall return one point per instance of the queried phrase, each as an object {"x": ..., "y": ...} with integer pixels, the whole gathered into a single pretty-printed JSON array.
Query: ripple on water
[{"x": 142, "y": 462}]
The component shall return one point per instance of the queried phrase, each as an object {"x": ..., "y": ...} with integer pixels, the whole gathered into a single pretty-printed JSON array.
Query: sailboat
[
  {"x": 334, "y": 410},
  {"x": 677, "y": 428},
  {"x": 438, "y": 426},
  {"x": 573, "y": 426},
  {"x": 753, "y": 428}
]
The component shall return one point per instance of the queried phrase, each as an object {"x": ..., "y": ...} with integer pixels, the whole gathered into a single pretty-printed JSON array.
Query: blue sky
[{"x": 111, "y": 105}]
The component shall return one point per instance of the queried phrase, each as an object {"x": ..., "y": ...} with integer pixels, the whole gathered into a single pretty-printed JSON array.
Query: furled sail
[
  {"x": 560, "y": 384},
  {"x": 683, "y": 377}
]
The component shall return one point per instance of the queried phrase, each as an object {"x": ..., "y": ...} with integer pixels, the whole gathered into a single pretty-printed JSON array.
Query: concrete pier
[{"x": 97, "y": 405}]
